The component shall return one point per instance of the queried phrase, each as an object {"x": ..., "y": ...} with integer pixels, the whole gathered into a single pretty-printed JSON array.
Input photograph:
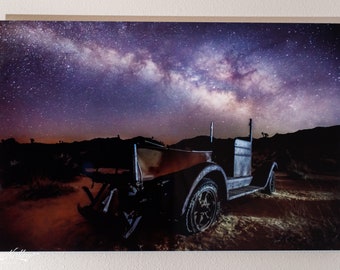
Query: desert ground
[{"x": 303, "y": 214}]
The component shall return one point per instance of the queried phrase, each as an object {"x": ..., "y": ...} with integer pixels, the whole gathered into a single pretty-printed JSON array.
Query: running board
[{"x": 242, "y": 191}]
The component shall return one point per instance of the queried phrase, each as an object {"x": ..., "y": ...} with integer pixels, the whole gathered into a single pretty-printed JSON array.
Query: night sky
[{"x": 81, "y": 80}]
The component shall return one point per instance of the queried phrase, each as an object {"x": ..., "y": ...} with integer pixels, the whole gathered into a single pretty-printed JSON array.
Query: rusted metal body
[
  {"x": 186, "y": 185},
  {"x": 155, "y": 162}
]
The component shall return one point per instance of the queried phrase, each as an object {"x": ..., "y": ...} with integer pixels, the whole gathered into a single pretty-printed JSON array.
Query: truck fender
[
  {"x": 273, "y": 167},
  {"x": 269, "y": 187},
  {"x": 210, "y": 170},
  {"x": 261, "y": 176}
]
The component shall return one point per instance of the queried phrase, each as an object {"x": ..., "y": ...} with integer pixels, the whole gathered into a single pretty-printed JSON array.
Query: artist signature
[
  {"x": 18, "y": 250},
  {"x": 17, "y": 254}
]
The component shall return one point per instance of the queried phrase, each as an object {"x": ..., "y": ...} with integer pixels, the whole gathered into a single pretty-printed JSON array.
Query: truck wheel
[
  {"x": 270, "y": 188},
  {"x": 203, "y": 207}
]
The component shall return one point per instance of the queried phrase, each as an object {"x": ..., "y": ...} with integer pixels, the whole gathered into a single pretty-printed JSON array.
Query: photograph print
[{"x": 169, "y": 136}]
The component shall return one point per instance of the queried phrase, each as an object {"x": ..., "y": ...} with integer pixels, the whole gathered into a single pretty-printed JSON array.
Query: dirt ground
[{"x": 300, "y": 215}]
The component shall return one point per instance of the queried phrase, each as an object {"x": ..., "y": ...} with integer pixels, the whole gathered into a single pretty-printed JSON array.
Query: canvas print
[{"x": 164, "y": 136}]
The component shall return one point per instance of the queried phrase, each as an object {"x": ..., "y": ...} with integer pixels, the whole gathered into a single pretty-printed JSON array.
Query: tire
[
  {"x": 270, "y": 188},
  {"x": 203, "y": 208}
]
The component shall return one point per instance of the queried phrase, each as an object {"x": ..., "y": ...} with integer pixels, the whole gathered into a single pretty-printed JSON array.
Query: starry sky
[{"x": 72, "y": 81}]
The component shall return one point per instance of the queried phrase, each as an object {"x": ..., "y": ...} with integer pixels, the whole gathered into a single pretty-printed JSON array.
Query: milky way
[{"x": 80, "y": 80}]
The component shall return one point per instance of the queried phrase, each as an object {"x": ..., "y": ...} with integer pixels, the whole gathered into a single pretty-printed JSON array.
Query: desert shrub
[{"x": 40, "y": 189}]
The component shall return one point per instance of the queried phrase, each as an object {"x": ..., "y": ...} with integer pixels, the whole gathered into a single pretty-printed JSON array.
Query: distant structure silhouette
[{"x": 264, "y": 135}]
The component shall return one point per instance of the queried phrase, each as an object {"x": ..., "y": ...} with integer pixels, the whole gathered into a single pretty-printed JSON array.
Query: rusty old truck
[{"x": 185, "y": 185}]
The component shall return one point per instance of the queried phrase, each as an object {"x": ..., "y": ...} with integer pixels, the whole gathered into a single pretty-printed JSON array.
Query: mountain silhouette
[{"x": 314, "y": 150}]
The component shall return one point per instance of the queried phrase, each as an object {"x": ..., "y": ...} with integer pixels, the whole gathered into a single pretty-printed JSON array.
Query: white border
[
  {"x": 305, "y": 10},
  {"x": 187, "y": 8},
  {"x": 215, "y": 260}
]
